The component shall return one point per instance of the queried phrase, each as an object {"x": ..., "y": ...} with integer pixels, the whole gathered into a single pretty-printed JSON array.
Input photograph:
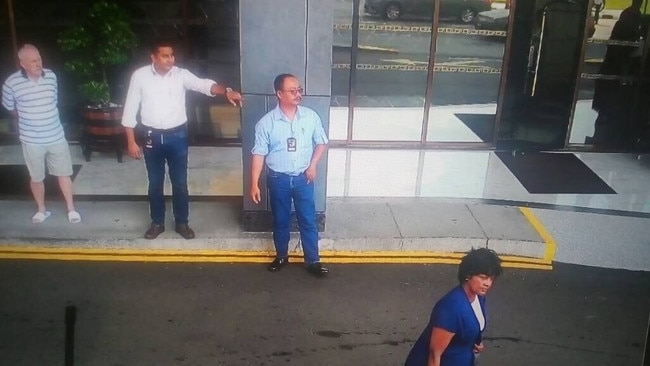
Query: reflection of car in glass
[
  {"x": 497, "y": 19},
  {"x": 464, "y": 10}
]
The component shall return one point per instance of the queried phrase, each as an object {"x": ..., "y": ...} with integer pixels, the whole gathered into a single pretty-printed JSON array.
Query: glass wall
[{"x": 381, "y": 78}]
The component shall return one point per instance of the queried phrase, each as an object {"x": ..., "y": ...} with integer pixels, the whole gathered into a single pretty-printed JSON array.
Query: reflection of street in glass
[
  {"x": 393, "y": 58},
  {"x": 392, "y": 65}
]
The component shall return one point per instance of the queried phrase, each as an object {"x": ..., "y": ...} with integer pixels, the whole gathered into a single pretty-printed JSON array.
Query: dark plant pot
[{"x": 102, "y": 130}]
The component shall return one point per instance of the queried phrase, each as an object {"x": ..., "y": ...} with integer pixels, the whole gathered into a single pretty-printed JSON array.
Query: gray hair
[{"x": 24, "y": 49}]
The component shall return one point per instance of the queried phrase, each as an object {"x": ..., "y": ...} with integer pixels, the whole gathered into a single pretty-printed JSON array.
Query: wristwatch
[{"x": 228, "y": 90}]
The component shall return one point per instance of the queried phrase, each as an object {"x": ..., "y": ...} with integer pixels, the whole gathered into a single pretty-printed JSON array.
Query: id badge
[
  {"x": 291, "y": 144},
  {"x": 148, "y": 143}
]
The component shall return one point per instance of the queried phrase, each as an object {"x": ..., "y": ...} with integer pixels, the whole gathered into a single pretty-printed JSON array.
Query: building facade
[{"x": 474, "y": 74}]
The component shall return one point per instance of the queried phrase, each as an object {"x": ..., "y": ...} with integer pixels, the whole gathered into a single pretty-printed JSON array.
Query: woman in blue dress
[{"x": 453, "y": 335}]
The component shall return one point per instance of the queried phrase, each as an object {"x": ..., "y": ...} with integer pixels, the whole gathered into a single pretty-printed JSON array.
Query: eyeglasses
[{"x": 295, "y": 92}]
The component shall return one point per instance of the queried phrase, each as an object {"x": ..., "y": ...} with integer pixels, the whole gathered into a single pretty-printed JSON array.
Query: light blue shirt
[
  {"x": 274, "y": 129},
  {"x": 36, "y": 103}
]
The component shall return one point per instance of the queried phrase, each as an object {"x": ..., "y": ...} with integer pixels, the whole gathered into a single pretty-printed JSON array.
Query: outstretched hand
[{"x": 234, "y": 98}]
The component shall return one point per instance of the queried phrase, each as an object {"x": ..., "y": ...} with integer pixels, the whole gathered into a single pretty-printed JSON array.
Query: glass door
[
  {"x": 608, "y": 88},
  {"x": 539, "y": 97}
]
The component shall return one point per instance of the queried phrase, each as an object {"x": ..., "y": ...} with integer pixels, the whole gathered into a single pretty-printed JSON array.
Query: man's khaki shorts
[{"x": 56, "y": 156}]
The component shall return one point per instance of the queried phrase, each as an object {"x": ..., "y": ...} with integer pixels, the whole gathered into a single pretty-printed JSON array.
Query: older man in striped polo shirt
[{"x": 30, "y": 94}]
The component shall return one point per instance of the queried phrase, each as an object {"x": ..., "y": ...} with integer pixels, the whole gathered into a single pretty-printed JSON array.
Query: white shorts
[{"x": 56, "y": 156}]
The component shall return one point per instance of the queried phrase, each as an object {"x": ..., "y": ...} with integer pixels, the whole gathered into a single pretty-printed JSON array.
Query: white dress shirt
[{"x": 161, "y": 98}]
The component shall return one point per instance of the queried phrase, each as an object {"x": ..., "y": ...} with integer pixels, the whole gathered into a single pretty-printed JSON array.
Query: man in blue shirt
[{"x": 290, "y": 139}]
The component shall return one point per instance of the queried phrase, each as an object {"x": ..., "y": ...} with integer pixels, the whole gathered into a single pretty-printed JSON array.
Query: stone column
[{"x": 282, "y": 36}]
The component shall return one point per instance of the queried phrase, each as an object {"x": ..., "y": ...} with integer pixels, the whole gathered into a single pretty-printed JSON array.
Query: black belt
[
  {"x": 166, "y": 131},
  {"x": 285, "y": 174}
]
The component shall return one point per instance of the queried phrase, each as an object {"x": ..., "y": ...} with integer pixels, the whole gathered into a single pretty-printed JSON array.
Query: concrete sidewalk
[
  {"x": 358, "y": 230},
  {"x": 423, "y": 230}
]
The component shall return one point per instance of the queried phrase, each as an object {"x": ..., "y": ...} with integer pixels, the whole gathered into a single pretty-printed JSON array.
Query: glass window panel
[
  {"x": 341, "y": 51},
  {"x": 336, "y": 170},
  {"x": 454, "y": 174},
  {"x": 397, "y": 173},
  {"x": 391, "y": 73},
  {"x": 213, "y": 52},
  {"x": 467, "y": 71}
]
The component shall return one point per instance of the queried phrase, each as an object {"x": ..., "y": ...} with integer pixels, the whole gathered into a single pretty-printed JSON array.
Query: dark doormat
[
  {"x": 554, "y": 173},
  {"x": 14, "y": 181},
  {"x": 481, "y": 124}
]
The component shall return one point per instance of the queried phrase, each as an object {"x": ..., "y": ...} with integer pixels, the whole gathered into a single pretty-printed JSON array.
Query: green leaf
[{"x": 103, "y": 38}]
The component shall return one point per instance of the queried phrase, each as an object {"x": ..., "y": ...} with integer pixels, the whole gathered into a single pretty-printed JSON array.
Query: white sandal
[
  {"x": 74, "y": 217},
  {"x": 39, "y": 217}
]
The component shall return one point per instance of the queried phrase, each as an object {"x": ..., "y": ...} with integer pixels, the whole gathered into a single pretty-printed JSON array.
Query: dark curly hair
[{"x": 481, "y": 261}]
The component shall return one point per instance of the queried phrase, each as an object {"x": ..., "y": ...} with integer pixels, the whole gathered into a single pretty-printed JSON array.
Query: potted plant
[{"x": 102, "y": 40}]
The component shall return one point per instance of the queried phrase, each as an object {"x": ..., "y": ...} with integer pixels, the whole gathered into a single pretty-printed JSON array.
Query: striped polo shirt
[{"x": 36, "y": 104}]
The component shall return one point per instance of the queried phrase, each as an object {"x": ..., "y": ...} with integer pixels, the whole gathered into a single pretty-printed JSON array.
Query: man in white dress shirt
[{"x": 158, "y": 92}]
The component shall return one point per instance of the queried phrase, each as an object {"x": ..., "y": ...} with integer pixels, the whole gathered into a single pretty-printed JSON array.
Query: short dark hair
[
  {"x": 278, "y": 83},
  {"x": 481, "y": 261},
  {"x": 162, "y": 42}
]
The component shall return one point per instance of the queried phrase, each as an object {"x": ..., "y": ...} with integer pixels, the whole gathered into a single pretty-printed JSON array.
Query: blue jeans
[
  {"x": 171, "y": 147},
  {"x": 283, "y": 189}
]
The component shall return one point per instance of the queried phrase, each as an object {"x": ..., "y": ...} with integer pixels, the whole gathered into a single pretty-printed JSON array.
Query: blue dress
[{"x": 453, "y": 313}]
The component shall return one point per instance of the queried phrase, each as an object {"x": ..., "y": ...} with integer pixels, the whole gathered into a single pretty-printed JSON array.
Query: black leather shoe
[
  {"x": 277, "y": 264},
  {"x": 317, "y": 269},
  {"x": 153, "y": 231},
  {"x": 185, "y": 231}
]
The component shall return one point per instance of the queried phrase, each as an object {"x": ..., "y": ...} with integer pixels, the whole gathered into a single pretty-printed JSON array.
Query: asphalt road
[{"x": 220, "y": 314}]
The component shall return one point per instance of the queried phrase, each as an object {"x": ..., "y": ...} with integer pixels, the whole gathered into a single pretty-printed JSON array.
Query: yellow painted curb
[
  {"x": 549, "y": 241},
  {"x": 69, "y": 253},
  {"x": 215, "y": 256}
]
